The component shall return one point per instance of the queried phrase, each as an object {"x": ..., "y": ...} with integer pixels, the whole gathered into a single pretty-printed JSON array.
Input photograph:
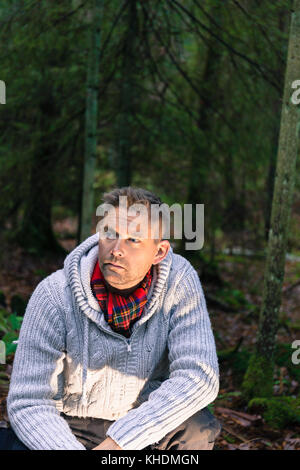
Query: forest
[{"x": 197, "y": 101}]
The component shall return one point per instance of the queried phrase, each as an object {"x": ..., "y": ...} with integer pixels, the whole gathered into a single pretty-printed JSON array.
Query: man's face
[{"x": 132, "y": 254}]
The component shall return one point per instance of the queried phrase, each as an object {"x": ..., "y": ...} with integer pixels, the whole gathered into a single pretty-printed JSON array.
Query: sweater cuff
[{"x": 130, "y": 433}]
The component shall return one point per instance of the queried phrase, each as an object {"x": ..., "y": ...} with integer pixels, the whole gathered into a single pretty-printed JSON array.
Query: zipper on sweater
[{"x": 117, "y": 335}]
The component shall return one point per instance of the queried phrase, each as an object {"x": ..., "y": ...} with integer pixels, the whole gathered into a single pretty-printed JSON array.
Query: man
[{"x": 116, "y": 349}]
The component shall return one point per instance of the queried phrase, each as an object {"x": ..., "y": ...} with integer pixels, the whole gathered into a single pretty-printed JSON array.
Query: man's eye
[{"x": 134, "y": 239}]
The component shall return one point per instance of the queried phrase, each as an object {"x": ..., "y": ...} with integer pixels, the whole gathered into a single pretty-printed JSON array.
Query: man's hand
[{"x": 108, "y": 444}]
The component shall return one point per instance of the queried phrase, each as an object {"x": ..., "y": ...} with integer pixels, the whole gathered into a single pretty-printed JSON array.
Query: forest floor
[
  {"x": 233, "y": 328},
  {"x": 237, "y": 329}
]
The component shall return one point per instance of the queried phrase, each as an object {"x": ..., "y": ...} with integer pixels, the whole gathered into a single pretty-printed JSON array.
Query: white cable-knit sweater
[{"x": 69, "y": 360}]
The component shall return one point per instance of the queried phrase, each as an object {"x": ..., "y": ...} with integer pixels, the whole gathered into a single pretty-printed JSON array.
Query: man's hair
[{"x": 135, "y": 196}]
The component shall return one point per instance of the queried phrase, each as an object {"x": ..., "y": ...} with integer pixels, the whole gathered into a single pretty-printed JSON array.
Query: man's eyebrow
[{"x": 117, "y": 233}]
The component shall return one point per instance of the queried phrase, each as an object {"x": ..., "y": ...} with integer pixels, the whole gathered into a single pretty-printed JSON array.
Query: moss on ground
[
  {"x": 258, "y": 379},
  {"x": 278, "y": 412}
]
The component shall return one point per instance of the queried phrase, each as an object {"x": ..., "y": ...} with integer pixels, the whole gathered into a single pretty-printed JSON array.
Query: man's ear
[{"x": 163, "y": 248}]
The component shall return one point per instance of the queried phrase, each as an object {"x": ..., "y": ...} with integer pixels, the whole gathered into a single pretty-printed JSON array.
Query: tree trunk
[
  {"x": 36, "y": 233},
  {"x": 258, "y": 380},
  {"x": 91, "y": 123},
  {"x": 272, "y": 163}
]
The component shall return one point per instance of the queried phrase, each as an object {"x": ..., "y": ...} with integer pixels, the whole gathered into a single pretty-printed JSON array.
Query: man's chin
[{"x": 111, "y": 276}]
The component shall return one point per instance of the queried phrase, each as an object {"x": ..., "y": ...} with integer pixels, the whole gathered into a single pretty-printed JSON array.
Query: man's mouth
[{"x": 112, "y": 265}]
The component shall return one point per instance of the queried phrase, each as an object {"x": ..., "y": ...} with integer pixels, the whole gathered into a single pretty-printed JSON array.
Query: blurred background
[{"x": 181, "y": 97}]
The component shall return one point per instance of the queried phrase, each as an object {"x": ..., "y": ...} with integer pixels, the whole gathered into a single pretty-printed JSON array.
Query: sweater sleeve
[
  {"x": 193, "y": 381},
  {"x": 37, "y": 363}
]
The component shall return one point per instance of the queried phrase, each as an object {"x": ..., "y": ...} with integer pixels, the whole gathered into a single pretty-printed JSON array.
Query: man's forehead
[
  {"x": 126, "y": 221},
  {"x": 123, "y": 221},
  {"x": 118, "y": 215}
]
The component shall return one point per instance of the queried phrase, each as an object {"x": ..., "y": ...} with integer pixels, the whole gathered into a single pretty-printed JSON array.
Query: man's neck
[{"x": 123, "y": 292}]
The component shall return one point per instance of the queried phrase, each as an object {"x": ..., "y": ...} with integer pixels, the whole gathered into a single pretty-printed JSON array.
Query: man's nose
[{"x": 117, "y": 249}]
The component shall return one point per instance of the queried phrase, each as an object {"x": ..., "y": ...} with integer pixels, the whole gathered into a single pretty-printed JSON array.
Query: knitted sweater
[{"x": 69, "y": 360}]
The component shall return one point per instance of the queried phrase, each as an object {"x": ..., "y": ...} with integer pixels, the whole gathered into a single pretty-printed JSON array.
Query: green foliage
[
  {"x": 41, "y": 40},
  {"x": 201, "y": 109},
  {"x": 10, "y": 325},
  {"x": 278, "y": 412},
  {"x": 234, "y": 298}
]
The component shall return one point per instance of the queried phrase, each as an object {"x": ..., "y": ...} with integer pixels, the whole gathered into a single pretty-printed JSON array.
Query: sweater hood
[{"x": 78, "y": 269}]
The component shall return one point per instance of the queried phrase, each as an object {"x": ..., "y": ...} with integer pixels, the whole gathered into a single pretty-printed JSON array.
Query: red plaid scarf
[{"x": 120, "y": 312}]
